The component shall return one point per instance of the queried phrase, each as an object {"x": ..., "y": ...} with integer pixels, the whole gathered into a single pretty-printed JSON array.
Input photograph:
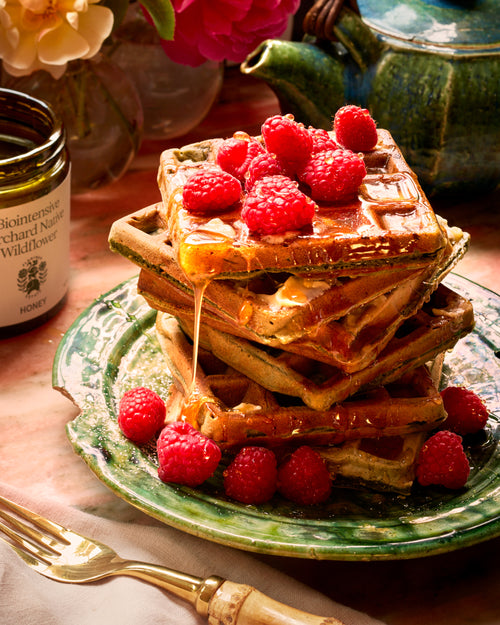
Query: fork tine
[
  {"x": 28, "y": 558},
  {"x": 55, "y": 529},
  {"x": 27, "y": 547},
  {"x": 38, "y": 539}
]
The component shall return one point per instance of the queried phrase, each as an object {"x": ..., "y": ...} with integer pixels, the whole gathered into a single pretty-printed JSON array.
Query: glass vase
[
  {"x": 101, "y": 112},
  {"x": 175, "y": 98}
]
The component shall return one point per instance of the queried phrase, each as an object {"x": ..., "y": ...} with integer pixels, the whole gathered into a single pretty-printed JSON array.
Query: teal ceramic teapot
[{"x": 428, "y": 71}]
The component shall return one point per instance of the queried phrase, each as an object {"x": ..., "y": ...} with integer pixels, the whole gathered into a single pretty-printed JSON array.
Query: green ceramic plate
[{"x": 112, "y": 347}]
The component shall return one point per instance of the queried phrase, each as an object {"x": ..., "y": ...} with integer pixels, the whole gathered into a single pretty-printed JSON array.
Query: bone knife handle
[{"x": 239, "y": 604}]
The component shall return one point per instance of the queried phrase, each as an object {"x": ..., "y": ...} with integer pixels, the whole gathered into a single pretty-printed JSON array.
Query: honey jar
[{"x": 34, "y": 213}]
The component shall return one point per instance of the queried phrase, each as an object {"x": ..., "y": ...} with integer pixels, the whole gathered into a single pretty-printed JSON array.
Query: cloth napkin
[{"x": 29, "y": 598}]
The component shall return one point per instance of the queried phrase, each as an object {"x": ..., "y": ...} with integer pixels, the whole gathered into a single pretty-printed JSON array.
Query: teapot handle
[
  {"x": 321, "y": 17},
  {"x": 340, "y": 20}
]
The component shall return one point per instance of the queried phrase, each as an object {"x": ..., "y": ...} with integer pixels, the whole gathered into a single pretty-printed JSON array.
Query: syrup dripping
[
  {"x": 194, "y": 399},
  {"x": 199, "y": 291}
]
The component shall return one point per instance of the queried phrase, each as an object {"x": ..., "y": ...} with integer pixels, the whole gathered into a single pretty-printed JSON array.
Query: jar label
[{"x": 34, "y": 255}]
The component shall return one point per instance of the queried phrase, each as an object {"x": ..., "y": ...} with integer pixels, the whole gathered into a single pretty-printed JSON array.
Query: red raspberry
[
  {"x": 235, "y": 154},
  {"x": 265, "y": 164},
  {"x": 289, "y": 140},
  {"x": 355, "y": 128},
  {"x": 141, "y": 414},
  {"x": 321, "y": 140},
  {"x": 185, "y": 455},
  {"x": 276, "y": 205},
  {"x": 333, "y": 175},
  {"x": 467, "y": 413},
  {"x": 251, "y": 476},
  {"x": 442, "y": 461},
  {"x": 304, "y": 478},
  {"x": 210, "y": 190}
]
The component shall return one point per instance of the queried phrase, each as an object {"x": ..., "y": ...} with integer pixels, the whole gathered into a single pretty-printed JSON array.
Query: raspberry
[
  {"x": 442, "y": 461},
  {"x": 185, "y": 455},
  {"x": 276, "y": 205},
  {"x": 265, "y": 164},
  {"x": 467, "y": 413},
  {"x": 141, "y": 414},
  {"x": 289, "y": 140},
  {"x": 210, "y": 190},
  {"x": 251, "y": 476},
  {"x": 235, "y": 154},
  {"x": 333, "y": 175},
  {"x": 355, "y": 128},
  {"x": 321, "y": 140},
  {"x": 304, "y": 478}
]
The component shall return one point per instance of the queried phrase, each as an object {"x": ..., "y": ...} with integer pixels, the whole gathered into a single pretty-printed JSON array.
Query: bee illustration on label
[{"x": 32, "y": 275}]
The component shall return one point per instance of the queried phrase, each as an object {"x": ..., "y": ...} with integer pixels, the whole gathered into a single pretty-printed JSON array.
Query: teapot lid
[{"x": 437, "y": 22}]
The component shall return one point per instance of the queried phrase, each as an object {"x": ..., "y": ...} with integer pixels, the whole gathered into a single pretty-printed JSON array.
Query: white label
[{"x": 34, "y": 255}]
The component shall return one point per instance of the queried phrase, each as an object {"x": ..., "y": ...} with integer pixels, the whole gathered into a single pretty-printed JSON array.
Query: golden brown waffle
[
  {"x": 434, "y": 328},
  {"x": 386, "y": 463},
  {"x": 330, "y": 327},
  {"x": 234, "y": 410},
  {"x": 368, "y": 308},
  {"x": 350, "y": 343},
  {"x": 257, "y": 303},
  {"x": 389, "y": 225}
]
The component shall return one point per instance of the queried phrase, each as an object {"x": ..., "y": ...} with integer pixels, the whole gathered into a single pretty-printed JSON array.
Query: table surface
[{"x": 456, "y": 588}]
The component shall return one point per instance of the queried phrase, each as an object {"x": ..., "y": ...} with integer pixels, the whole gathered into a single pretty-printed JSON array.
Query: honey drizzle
[{"x": 199, "y": 290}]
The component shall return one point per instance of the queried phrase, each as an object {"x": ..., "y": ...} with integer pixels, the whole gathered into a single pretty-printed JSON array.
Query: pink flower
[{"x": 225, "y": 29}]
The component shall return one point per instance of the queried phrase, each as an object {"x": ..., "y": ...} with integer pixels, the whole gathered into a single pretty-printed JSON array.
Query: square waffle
[
  {"x": 300, "y": 370},
  {"x": 233, "y": 410},
  {"x": 349, "y": 319},
  {"x": 277, "y": 307},
  {"x": 390, "y": 224},
  {"x": 351, "y": 343},
  {"x": 346, "y": 325},
  {"x": 385, "y": 464}
]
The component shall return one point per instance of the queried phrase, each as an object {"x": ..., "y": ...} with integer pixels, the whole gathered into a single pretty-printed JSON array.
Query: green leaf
[{"x": 163, "y": 16}]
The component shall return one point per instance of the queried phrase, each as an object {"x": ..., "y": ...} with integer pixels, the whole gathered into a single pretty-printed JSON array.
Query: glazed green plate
[{"x": 112, "y": 347}]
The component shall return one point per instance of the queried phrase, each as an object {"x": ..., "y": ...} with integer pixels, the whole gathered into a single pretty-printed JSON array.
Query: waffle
[
  {"x": 252, "y": 306},
  {"x": 357, "y": 334},
  {"x": 350, "y": 343},
  {"x": 384, "y": 464},
  {"x": 257, "y": 302},
  {"x": 389, "y": 225},
  {"x": 436, "y": 327},
  {"x": 387, "y": 463},
  {"x": 233, "y": 410}
]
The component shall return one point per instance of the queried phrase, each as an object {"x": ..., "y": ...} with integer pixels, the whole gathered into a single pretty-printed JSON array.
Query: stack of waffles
[{"x": 330, "y": 336}]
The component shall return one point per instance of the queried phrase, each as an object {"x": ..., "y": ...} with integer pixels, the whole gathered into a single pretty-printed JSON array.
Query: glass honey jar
[{"x": 34, "y": 213}]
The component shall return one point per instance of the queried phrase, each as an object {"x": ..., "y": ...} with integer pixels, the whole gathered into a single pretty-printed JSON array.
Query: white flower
[{"x": 46, "y": 34}]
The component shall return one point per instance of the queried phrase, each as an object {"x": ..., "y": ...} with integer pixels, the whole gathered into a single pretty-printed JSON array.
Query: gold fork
[{"x": 66, "y": 556}]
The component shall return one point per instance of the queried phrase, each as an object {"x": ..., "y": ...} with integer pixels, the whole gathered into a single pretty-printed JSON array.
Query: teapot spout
[{"x": 307, "y": 80}]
